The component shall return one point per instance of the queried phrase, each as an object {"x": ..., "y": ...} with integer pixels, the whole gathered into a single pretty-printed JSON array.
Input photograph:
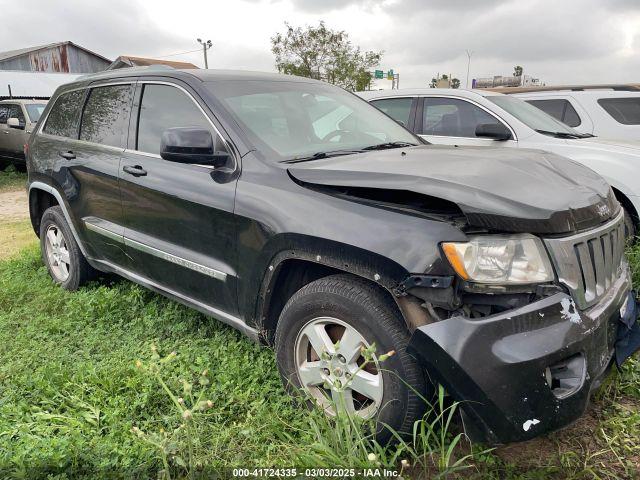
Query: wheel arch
[
  {"x": 627, "y": 205},
  {"x": 290, "y": 270},
  {"x": 43, "y": 196}
]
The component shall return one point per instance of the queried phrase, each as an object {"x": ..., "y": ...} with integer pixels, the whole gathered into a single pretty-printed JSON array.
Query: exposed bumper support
[{"x": 500, "y": 366}]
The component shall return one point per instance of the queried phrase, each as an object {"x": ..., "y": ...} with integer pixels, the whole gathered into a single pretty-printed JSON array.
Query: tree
[
  {"x": 434, "y": 81},
  {"x": 453, "y": 83},
  {"x": 324, "y": 54},
  {"x": 517, "y": 71}
]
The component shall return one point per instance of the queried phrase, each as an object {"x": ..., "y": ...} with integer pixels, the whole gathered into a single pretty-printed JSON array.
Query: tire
[
  {"x": 629, "y": 227},
  {"x": 67, "y": 265},
  {"x": 362, "y": 307}
]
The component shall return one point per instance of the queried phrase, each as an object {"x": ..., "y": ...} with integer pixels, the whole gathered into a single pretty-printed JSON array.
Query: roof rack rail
[
  {"x": 127, "y": 69},
  {"x": 620, "y": 87}
]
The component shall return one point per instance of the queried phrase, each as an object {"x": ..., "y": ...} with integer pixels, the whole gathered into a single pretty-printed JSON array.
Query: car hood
[{"x": 498, "y": 189}]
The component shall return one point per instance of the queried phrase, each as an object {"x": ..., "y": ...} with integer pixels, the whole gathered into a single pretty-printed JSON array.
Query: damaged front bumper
[{"x": 529, "y": 370}]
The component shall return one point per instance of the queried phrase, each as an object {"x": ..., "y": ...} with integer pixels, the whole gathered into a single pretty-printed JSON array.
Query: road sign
[
  {"x": 390, "y": 75},
  {"x": 379, "y": 74}
]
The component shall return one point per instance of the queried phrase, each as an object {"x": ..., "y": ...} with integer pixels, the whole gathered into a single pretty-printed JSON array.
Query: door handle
[
  {"x": 67, "y": 155},
  {"x": 136, "y": 170},
  {"x": 6, "y": 132}
]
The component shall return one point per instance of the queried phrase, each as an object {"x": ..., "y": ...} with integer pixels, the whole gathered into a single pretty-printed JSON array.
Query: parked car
[
  {"x": 304, "y": 217},
  {"x": 486, "y": 118},
  {"x": 17, "y": 120},
  {"x": 606, "y": 113}
]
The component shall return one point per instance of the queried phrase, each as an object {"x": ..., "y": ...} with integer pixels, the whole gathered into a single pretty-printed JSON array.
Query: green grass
[
  {"x": 14, "y": 236},
  {"x": 70, "y": 392},
  {"x": 11, "y": 179}
]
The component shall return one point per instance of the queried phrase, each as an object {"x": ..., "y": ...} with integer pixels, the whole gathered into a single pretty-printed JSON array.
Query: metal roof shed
[{"x": 63, "y": 57}]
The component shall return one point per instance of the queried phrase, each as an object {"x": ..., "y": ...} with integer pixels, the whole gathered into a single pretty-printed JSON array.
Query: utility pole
[
  {"x": 469, "y": 53},
  {"x": 205, "y": 46}
]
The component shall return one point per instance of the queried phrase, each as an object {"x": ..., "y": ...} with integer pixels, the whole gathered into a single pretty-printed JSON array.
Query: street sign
[
  {"x": 379, "y": 74},
  {"x": 390, "y": 75}
]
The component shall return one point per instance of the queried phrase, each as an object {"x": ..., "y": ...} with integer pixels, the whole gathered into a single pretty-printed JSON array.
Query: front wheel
[{"x": 319, "y": 340}]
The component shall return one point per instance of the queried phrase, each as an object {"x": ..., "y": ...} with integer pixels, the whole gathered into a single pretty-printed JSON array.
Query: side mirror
[
  {"x": 497, "y": 131},
  {"x": 191, "y": 145},
  {"x": 15, "y": 123}
]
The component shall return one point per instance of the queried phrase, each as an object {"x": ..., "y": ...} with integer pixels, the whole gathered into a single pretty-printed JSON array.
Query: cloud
[
  {"x": 560, "y": 41},
  {"x": 113, "y": 28}
]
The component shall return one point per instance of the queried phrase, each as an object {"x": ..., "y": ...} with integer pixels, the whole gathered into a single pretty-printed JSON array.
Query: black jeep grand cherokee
[{"x": 301, "y": 215}]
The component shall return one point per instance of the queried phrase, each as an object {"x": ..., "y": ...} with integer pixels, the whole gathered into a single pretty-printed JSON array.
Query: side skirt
[{"x": 224, "y": 317}]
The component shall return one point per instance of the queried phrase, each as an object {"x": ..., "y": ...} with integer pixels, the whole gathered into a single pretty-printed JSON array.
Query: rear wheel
[
  {"x": 319, "y": 341},
  {"x": 60, "y": 253}
]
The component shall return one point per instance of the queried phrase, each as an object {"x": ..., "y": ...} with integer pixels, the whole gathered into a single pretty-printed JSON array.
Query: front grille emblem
[{"x": 603, "y": 210}]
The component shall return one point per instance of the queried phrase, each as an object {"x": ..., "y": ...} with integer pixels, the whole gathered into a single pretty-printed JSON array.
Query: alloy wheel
[
  {"x": 331, "y": 367},
  {"x": 57, "y": 253}
]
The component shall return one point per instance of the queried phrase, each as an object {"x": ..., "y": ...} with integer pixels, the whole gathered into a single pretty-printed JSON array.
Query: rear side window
[
  {"x": 63, "y": 118},
  {"x": 397, "y": 108},
  {"x": 164, "y": 107},
  {"x": 623, "y": 110},
  {"x": 106, "y": 114},
  {"x": 4, "y": 110},
  {"x": 16, "y": 112},
  {"x": 560, "y": 109}
]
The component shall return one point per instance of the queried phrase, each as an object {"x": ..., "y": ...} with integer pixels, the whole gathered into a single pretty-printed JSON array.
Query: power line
[{"x": 176, "y": 54}]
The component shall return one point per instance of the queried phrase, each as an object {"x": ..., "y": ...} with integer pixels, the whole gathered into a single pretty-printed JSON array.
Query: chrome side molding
[{"x": 169, "y": 257}]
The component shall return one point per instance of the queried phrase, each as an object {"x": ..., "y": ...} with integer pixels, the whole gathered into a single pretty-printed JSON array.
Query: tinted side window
[
  {"x": 623, "y": 110},
  {"x": 397, "y": 108},
  {"x": 571, "y": 117},
  {"x": 164, "y": 107},
  {"x": 559, "y": 109},
  {"x": 450, "y": 117},
  {"x": 15, "y": 111},
  {"x": 105, "y": 115},
  {"x": 4, "y": 110},
  {"x": 64, "y": 116}
]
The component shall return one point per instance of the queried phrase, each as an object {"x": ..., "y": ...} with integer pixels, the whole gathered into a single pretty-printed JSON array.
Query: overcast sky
[{"x": 559, "y": 41}]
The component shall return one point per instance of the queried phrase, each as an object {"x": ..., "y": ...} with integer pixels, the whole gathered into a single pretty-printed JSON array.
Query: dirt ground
[
  {"x": 13, "y": 205},
  {"x": 15, "y": 226}
]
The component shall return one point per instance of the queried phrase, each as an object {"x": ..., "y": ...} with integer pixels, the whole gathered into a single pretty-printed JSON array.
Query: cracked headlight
[{"x": 500, "y": 259}]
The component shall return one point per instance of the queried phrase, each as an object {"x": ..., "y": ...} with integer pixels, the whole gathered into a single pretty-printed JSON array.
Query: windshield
[
  {"x": 531, "y": 116},
  {"x": 35, "y": 110},
  {"x": 292, "y": 120}
]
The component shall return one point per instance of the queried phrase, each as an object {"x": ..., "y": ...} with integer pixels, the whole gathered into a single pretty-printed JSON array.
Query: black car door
[
  {"x": 179, "y": 224},
  {"x": 84, "y": 137}
]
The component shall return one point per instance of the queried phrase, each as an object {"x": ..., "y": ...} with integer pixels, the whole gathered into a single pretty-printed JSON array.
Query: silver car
[{"x": 17, "y": 119}]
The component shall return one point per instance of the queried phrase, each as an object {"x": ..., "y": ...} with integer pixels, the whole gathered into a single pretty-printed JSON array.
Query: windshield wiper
[
  {"x": 563, "y": 134},
  {"x": 387, "y": 145},
  {"x": 335, "y": 153},
  {"x": 321, "y": 155}
]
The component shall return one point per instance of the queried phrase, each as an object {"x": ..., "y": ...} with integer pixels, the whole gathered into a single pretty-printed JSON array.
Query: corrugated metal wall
[{"x": 61, "y": 59}]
